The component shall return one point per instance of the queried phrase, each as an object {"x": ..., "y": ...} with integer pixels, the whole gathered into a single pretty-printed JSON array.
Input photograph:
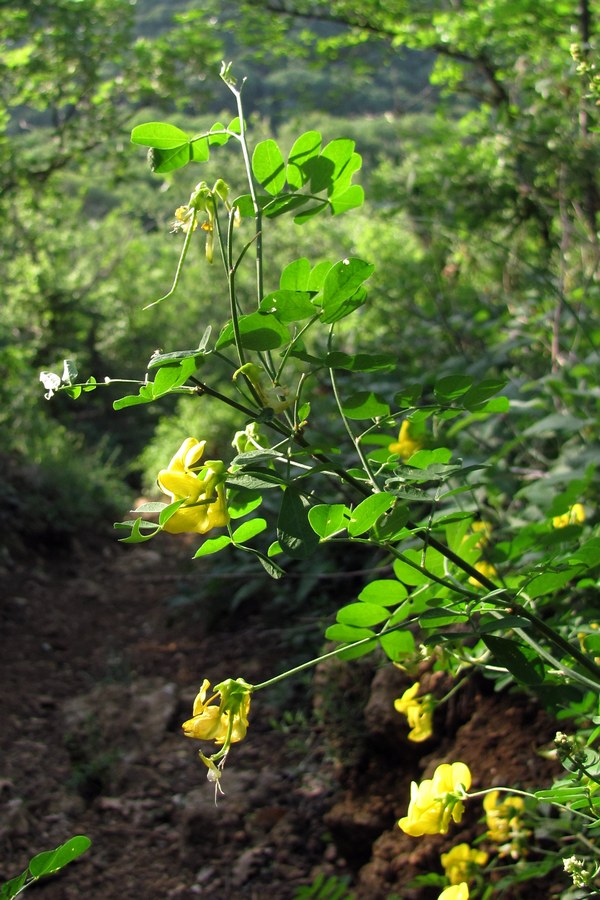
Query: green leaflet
[
  {"x": 294, "y": 532},
  {"x": 268, "y": 166}
]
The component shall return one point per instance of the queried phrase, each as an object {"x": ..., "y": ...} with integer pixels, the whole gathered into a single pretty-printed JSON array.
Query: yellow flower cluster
[
  {"x": 504, "y": 823},
  {"x": 223, "y": 718},
  {"x": 437, "y": 800},
  {"x": 575, "y": 515},
  {"x": 407, "y": 442},
  {"x": 460, "y": 862},
  {"x": 201, "y": 487},
  {"x": 418, "y": 711}
]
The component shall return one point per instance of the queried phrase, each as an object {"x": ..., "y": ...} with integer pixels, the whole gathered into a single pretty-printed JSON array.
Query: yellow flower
[
  {"x": 406, "y": 444},
  {"x": 485, "y": 529},
  {"x": 437, "y": 800},
  {"x": 575, "y": 515},
  {"x": 185, "y": 219},
  {"x": 460, "y": 861},
  {"x": 202, "y": 489},
  {"x": 504, "y": 824},
  {"x": 418, "y": 711},
  {"x": 486, "y": 569},
  {"x": 223, "y": 718},
  {"x": 455, "y": 892}
]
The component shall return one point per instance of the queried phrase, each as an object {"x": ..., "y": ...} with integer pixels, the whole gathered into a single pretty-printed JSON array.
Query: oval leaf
[
  {"x": 384, "y": 592},
  {"x": 293, "y": 528},
  {"x": 362, "y": 615},
  {"x": 160, "y": 135},
  {"x": 268, "y": 166},
  {"x": 366, "y": 513}
]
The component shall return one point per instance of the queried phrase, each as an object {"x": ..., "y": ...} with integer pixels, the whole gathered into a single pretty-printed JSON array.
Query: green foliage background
[{"x": 480, "y": 163}]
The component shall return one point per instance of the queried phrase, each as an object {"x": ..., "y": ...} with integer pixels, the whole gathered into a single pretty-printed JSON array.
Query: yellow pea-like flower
[{"x": 437, "y": 801}]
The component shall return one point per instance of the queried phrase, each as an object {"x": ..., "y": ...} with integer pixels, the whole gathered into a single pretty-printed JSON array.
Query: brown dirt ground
[{"x": 99, "y": 667}]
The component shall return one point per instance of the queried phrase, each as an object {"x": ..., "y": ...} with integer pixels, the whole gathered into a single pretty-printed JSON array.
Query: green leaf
[
  {"x": 212, "y": 545},
  {"x": 366, "y": 513},
  {"x": 240, "y": 502},
  {"x": 480, "y": 392},
  {"x": 199, "y": 150},
  {"x": 295, "y": 275},
  {"x": 509, "y": 654},
  {"x": 365, "y": 405},
  {"x": 588, "y": 553},
  {"x": 362, "y": 615},
  {"x": 159, "y": 135},
  {"x": 258, "y": 331},
  {"x": 282, "y": 204},
  {"x": 347, "y": 634},
  {"x": 336, "y": 161},
  {"x": 136, "y": 536},
  {"x": 288, "y": 306},
  {"x": 256, "y": 479},
  {"x": 52, "y": 860},
  {"x": 146, "y": 395},
  {"x": 293, "y": 528},
  {"x": 342, "y": 281},
  {"x": 169, "y": 377},
  {"x": 152, "y": 507},
  {"x": 245, "y": 206},
  {"x": 408, "y": 396},
  {"x": 268, "y": 166},
  {"x": 270, "y": 567},
  {"x": 384, "y": 592},
  {"x": 356, "y": 652},
  {"x": 390, "y": 525},
  {"x": 162, "y": 161},
  {"x": 407, "y": 574},
  {"x": 318, "y": 274},
  {"x": 351, "y": 198},
  {"x": 397, "y": 644},
  {"x": 11, "y": 888},
  {"x": 175, "y": 358},
  {"x": 305, "y": 148},
  {"x": 549, "y": 582},
  {"x": 422, "y": 459},
  {"x": 328, "y": 518},
  {"x": 439, "y": 617},
  {"x": 247, "y": 530},
  {"x": 451, "y": 387},
  {"x": 303, "y": 217},
  {"x": 490, "y": 624},
  {"x": 361, "y": 362},
  {"x": 169, "y": 511},
  {"x": 218, "y": 139}
]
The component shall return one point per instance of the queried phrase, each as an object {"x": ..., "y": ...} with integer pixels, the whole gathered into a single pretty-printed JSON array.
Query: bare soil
[{"x": 101, "y": 655}]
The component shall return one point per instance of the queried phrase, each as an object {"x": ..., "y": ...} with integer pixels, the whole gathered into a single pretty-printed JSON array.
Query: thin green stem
[
  {"x": 290, "y": 347},
  {"x": 530, "y": 796},
  {"x": 182, "y": 257},
  {"x": 311, "y": 663},
  {"x": 255, "y": 204},
  {"x": 357, "y": 448}
]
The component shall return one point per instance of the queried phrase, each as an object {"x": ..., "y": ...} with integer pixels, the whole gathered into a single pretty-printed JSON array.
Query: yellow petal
[{"x": 179, "y": 485}]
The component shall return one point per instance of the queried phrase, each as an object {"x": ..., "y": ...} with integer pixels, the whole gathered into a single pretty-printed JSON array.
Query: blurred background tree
[{"x": 480, "y": 167}]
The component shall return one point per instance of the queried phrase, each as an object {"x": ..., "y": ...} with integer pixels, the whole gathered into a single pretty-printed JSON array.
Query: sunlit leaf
[
  {"x": 159, "y": 135},
  {"x": 268, "y": 166}
]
